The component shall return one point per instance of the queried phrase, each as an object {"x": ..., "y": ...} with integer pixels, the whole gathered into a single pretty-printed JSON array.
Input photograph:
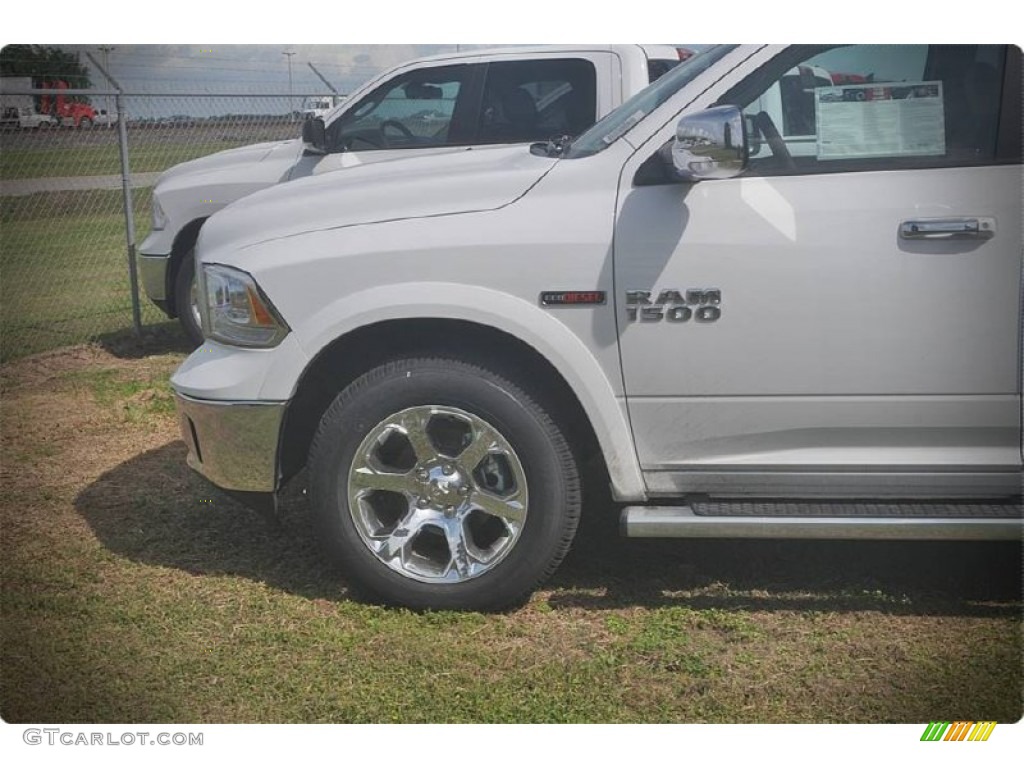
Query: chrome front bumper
[
  {"x": 153, "y": 275},
  {"x": 232, "y": 444},
  {"x": 154, "y": 259}
]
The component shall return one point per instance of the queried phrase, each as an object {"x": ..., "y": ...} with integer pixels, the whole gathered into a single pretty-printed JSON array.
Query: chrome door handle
[{"x": 981, "y": 228}]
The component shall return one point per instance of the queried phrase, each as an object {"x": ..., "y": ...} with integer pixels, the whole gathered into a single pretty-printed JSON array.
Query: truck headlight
[
  {"x": 235, "y": 311},
  {"x": 159, "y": 217}
]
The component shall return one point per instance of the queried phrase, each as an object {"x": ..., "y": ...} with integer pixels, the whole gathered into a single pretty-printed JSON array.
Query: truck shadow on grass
[
  {"x": 155, "y": 511},
  {"x": 156, "y": 339},
  {"x": 898, "y": 577}
]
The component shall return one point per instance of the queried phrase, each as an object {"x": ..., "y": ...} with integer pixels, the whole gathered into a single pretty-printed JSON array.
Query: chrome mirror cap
[{"x": 710, "y": 144}]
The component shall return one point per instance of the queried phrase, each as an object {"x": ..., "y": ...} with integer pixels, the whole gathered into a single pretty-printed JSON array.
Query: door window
[
  {"x": 417, "y": 109},
  {"x": 536, "y": 100},
  {"x": 873, "y": 107}
]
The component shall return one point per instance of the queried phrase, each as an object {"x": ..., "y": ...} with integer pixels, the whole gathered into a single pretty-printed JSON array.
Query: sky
[
  {"x": 259, "y": 69},
  {"x": 243, "y": 68},
  {"x": 349, "y": 42}
]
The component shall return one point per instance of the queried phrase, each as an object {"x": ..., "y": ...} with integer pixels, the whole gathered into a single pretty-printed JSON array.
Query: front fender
[{"x": 542, "y": 331}]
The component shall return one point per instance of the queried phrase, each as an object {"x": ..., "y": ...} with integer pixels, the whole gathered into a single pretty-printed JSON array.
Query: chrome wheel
[
  {"x": 186, "y": 298},
  {"x": 437, "y": 494},
  {"x": 193, "y": 302},
  {"x": 439, "y": 484}
]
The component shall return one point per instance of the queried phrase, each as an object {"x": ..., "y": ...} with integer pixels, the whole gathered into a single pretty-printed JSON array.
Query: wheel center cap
[{"x": 444, "y": 488}]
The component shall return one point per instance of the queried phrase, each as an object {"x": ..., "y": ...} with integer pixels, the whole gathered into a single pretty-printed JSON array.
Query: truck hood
[
  {"x": 259, "y": 164},
  {"x": 405, "y": 188}
]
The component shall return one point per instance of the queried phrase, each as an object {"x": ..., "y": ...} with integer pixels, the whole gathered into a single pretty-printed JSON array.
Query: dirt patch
[{"x": 35, "y": 371}]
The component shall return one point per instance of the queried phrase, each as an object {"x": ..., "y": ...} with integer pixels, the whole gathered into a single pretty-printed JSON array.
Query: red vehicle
[
  {"x": 66, "y": 110},
  {"x": 844, "y": 78}
]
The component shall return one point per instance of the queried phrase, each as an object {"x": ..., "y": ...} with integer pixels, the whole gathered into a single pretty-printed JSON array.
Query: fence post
[
  {"x": 129, "y": 211},
  {"x": 129, "y": 203}
]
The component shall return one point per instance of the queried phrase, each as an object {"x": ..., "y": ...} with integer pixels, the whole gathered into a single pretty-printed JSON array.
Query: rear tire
[
  {"x": 186, "y": 300},
  {"x": 437, "y": 484}
]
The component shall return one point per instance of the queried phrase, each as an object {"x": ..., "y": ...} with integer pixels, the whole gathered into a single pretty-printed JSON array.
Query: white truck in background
[
  {"x": 17, "y": 108},
  {"x": 446, "y": 103},
  {"x": 319, "y": 106}
]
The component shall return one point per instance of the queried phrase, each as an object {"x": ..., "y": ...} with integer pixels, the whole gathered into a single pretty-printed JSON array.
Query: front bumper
[
  {"x": 154, "y": 260},
  {"x": 153, "y": 275},
  {"x": 233, "y": 444}
]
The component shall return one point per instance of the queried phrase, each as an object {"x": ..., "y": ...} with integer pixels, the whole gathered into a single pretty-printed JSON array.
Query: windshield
[{"x": 617, "y": 123}]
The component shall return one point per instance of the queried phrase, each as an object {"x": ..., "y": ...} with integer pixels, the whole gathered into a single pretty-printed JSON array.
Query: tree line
[{"x": 44, "y": 63}]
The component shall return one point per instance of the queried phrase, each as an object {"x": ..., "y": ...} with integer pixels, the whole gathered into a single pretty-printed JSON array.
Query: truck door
[{"x": 843, "y": 319}]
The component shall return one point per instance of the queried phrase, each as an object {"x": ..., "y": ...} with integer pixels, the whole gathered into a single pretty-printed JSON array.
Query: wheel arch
[
  {"x": 183, "y": 243},
  {"x": 595, "y": 424}
]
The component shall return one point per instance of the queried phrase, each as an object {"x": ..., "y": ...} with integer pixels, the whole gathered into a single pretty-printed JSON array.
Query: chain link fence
[{"x": 64, "y": 234}]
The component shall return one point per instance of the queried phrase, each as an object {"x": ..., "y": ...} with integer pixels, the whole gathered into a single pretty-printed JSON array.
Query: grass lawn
[
  {"x": 102, "y": 160},
  {"x": 64, "y": 269},
  {"x": 63, "y": 255},
  {"x": 132, "y": 591}
]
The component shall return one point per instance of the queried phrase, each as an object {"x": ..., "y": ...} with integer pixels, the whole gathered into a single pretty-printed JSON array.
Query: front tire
[
  {"x": 186, "y": 299},
  {"x": 438, "y": 484}
]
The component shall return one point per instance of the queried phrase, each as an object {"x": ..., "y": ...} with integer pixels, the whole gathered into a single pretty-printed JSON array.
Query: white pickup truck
[
  {"x": 17, "y": 107},
  {"x": 440, "y": 104},
  {"x": 25, "y": 117},
  {"x": 751, "y": 341}
]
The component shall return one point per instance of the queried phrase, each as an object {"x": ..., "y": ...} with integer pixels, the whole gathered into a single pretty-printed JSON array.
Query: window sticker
[{"x": 880, "y": 120}]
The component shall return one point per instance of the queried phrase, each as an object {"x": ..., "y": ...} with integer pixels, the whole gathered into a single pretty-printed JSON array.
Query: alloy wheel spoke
[
  {"x": 414, "y": 426},
  {"x": 368, "y": 478},
  {"x": 395, "y": 543},
  {"x": 484, "y": 442},
  {"x": 510, "y": 509},
  {"x": 458, "y": 547}
]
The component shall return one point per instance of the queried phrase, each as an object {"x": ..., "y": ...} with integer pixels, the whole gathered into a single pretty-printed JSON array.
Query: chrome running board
[{"x": 780, "y": 520}]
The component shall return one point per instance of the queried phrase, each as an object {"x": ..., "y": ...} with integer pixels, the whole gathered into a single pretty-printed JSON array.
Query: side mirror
[
  {"x": 711, "y": 144},
  {"x": 314, "y": 135}
]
